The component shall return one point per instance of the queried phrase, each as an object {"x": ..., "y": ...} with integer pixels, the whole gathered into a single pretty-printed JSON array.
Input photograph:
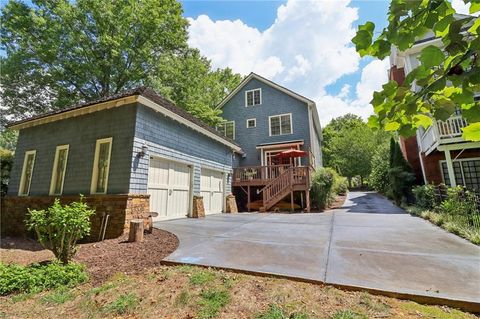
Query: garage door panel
[
  {"x": 169, "y": 186},
  {"x": 211, "y": 189}
]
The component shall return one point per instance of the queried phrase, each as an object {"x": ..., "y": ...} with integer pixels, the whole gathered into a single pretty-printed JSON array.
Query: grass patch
[
  {"x": 211, "y": 302},
  {"x": 36, "y": 277},
  {"x": 432, "y": 311},
  {"x": 183, "y": 299},
  {"x": 22, "y": 296},
  {"x": 201, "y": 277},
  {"x": 103, "y": 288},
  {"x": 275, "y": 312},
  {"x": 58, "y": 296},
  {"x": 374, "y": 305},
  {"x": 348, "y": 314},
  {"x": 123, "y": 304}
]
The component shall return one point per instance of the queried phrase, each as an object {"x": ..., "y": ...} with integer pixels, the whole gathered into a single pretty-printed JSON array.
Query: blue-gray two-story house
[{"x": 276, "y": 129}]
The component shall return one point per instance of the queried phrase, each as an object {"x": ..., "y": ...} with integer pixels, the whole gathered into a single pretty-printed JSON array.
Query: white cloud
[
  {"x": 463, "y": 8},
  {"x": 307, "y": 48}
]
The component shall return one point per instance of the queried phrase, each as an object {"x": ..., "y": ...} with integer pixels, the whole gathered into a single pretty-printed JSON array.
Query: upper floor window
[
  {"x": 101, "y": 166},
  {"x": 58, "y": 172},
  {"x": 280, "y": 124},
  {"x": 27, "y": 173},
  {"x": 227, "y": 129},
  {"x": 253, "y": 97},
  {"x": 251, "y": 123}
]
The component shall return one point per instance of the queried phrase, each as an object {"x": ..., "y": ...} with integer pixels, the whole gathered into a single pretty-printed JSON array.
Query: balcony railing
[{"x": 442, "y": 132}]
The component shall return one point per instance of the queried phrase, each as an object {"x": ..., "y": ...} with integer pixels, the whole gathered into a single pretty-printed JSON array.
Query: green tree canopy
[
  {"x": 448, "y": 77},
  {"x": 349, "y": 145},
  {"x": 62, "y": 52}
]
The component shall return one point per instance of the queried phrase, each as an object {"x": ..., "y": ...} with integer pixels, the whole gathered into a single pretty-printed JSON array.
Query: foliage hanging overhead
[{"x": 448, "y": 76}]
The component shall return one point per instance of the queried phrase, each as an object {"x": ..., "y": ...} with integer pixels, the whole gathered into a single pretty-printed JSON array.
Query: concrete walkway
[{"x": 369, "y": 243}]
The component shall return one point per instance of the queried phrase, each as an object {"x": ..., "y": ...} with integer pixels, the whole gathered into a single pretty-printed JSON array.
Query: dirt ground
[
  {"x": 103, "y": 259},
  {"x": 187, "y": 292}
]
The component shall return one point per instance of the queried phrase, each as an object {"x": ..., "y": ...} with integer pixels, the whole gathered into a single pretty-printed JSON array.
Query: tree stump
[{"x": 136, "y": 231}]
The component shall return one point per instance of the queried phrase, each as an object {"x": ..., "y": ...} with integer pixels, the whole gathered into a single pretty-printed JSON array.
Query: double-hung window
[
  {"x": 59, "y": 168},
  {"x": 251, "y": 123},
  {"x": 280, "y": 124},
  {"x": 27, "y": 172},
  {"x": 101, "y": 166},
  {"x": 227, "y": 129},
  {"x": 253, "y": 97}
]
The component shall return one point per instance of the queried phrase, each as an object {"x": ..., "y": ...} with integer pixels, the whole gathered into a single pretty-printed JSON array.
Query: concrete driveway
[{"x": 369, "y": 243}]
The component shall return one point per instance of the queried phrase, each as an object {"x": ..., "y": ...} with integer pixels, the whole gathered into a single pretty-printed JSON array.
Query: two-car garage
[{"x": 171, "y": 188}]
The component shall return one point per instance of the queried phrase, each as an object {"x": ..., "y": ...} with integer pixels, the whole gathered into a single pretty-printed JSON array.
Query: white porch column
[{"x": 451, "y": 173}]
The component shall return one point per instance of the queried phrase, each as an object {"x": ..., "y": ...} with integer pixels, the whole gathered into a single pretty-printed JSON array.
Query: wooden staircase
[{"x": 293, "y": 178}]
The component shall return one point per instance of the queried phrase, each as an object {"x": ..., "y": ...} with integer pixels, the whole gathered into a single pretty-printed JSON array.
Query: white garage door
[
  {"x": 211, "y": 188},
  {"x": 169, "y": 188}
]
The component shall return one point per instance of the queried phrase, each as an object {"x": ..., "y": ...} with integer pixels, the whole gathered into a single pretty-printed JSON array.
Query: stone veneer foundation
[{"x": 120, "y": 208}]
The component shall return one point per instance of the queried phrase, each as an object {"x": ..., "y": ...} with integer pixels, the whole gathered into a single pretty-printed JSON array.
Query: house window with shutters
[
  {"x": 253, "y": 97},
  {"x": 280, "y": 124},
  {"x": 227, "y": 129},
  {"x": 101, "y": 166}
]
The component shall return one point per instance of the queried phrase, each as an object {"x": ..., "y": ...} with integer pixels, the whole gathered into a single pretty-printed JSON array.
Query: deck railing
[
  {"x": 442, "y": 132},
  {"x": 258, "y": 173}
]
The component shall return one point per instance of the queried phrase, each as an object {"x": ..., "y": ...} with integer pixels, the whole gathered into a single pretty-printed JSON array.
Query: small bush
[
  {"x": 60, "y": 227},
  {"x": 123, "y": 304},
  {"x": 6, "y": 161},
  {"x": 379, "y": 178},
  {"x": 323, "y": 191},
  {"x": 425, "y": 196},
  {"x": 35, "y": 278}
]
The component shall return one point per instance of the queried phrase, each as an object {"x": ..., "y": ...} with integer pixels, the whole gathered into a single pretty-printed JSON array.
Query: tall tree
[
  {"x": 448, "y": 78},
  {"x": 350, "y": 146},
  {"x": 62, "y": 52}
]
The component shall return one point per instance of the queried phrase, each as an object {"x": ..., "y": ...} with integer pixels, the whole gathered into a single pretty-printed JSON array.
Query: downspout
[{"x": 423, "y": 167}]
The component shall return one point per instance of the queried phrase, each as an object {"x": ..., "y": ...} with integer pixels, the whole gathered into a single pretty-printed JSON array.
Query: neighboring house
[
  {"x": 266, "y": 119},
  {"x": 438, "y": 154},
  {"x": 129, "y": 154}
]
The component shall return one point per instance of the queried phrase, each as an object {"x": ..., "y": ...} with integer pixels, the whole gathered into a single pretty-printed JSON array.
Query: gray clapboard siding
[
  {"x": 169, "y": 139},
  {"x": 274, "y": 102},
  {"x": 81, "y": 133}
]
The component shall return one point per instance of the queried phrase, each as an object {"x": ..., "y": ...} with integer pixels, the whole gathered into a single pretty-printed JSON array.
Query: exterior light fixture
[{"x": 143, "y": 151}]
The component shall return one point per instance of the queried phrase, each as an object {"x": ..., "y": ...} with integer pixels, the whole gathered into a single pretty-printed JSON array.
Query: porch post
[
  {"x": 307, "y": 193},
  {"x": 451, "y": 172},
  {"x": 248, "y": 198}
]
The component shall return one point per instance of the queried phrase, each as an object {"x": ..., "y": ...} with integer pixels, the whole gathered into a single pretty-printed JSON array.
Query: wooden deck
[{"x": 277, "y": 182}]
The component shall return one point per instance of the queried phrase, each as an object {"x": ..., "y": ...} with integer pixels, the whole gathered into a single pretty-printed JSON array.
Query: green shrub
[
  {"x": 60, "y": 227},
  {"x": 36, "y": 277},
  {"x": 425, "y": 196},
  {"x": 6, "y": 161},
  {"x": 461, "y": 206},
  {"x": 379, "y": 178},
  {"x": 340, "y": 184},
  {"x": 321, "y": 191},
  {"x": 400, "y": 174}
]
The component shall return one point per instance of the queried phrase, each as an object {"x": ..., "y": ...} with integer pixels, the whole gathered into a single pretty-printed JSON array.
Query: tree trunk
[{"x": 136, "y": 231}]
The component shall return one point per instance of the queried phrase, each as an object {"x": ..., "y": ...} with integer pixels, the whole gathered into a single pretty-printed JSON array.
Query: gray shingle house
[
  {"x": 116, "y": 151},
  {"x": 267, "y": 120}
]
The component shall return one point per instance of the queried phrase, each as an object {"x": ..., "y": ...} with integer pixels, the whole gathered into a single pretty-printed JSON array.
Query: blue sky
[{"x": 222, "y": 30}]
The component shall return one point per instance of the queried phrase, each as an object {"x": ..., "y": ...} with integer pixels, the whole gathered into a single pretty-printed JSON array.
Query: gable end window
[
  {"x": 280, "y": 124},
  {"x": 101, "y": 166},
  {"x": 227, "y": 129},
  {"x": 253, "y": 97},
  {"x": 251, "y": 123},
  {"x": 59, "y": 168},
  {"x": 27, "y": 172}
]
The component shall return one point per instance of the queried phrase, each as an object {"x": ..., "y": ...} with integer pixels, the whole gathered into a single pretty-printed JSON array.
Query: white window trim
[
  {"x": 254, "y": 121},
  {"x": 246, "y": 104},
  {"x": 22, "y": 178},
  {"x": 461, "y": 166},
  {"x": 225, "y": 123},
  {"x": 54, "y": 170},
  {"x": 93, "y": 185},
  {"x": 270, "y": 124}
]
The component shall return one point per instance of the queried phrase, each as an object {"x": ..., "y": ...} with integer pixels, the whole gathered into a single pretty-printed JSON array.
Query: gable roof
[
  {"x": 142, "y": 95},
  {"x": 310, "y": 103},
  {"x": 267, "y": 82}
]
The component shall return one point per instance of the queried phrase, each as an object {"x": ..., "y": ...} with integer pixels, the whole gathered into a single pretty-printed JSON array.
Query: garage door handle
[{"x": 170, "y": 192}]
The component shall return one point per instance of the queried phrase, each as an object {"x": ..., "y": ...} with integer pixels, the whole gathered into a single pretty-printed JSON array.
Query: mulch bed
[{"x": 103, "y": 259}]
